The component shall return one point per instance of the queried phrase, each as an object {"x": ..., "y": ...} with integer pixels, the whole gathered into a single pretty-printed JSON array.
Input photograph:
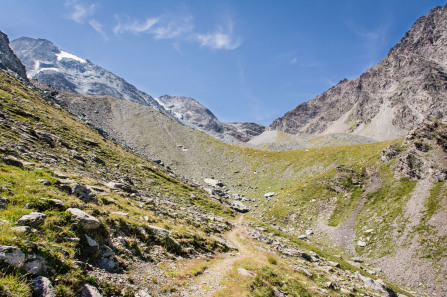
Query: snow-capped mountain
[{"x": 51, "y": 65}]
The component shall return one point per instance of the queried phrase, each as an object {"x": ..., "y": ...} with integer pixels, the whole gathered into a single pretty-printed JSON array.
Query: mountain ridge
[
  {"x": 389, "y": 99},
  {"x": 51, "y": 65}
]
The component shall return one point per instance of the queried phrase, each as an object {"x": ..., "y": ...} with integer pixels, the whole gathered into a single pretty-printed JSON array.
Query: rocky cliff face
[
  {"x": 195, "y": 115},
  {"x": 9, "y": 61},
  {"x": 51, "y": 65},
  {"x": 391, "y": 98}
]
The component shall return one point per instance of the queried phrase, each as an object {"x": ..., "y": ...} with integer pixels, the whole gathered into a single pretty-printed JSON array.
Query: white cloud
[
  {"x": 173, "y": 26},
  {"x": 135, "y": 26},
  {"x": 97, "y": 26},
  {"x": 179, "y": 27},
  {"x": 293, "y": 61},
  {"x": 80, "y": 12},
  {"x": 222, "y": 38}
]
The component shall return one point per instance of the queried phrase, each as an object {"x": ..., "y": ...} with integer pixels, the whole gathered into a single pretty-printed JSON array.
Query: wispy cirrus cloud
[
  {"x": 162, "y": 27},
  {"x": 83, "y": 13},
  {"x": 134, "y": 26},
  {"x": 170, "y": 26},
  {"x": 80, "y": 12},
  {"x": 98, "y": 27},
  {"x": 222, "y": 38}
]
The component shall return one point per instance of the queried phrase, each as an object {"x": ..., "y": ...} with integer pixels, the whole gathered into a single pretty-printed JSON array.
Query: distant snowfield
[{"x": 64, "y": 54}]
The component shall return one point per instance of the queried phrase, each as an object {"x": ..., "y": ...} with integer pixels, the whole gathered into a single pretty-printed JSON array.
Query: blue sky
[{"x": 245, "y": 60}]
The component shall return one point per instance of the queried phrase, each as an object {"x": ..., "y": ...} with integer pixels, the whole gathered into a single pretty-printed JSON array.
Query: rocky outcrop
[
  {"x": 388, "y": 100},
  {"x": 426, "y": 157},
  {"x": 9, "y": 61}
]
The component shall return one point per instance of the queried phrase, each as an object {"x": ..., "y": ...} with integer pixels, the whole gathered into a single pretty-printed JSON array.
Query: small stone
[
  {"x": 361, "y": 243},
  {"x": 309, "y": 232},
  {"x": 239, "y": 207},
  {"x": 44, "y": 182},
  {"x": 4, "y": 202},
  {"x": 142, "y": 293},
  {"x": 244, "y": 272},
  {"x": 32, "y": 219},
  {"x": 124, "y": 214},
  {"x": 334, "y": 264},
  {"x": 270, "y": 194}
]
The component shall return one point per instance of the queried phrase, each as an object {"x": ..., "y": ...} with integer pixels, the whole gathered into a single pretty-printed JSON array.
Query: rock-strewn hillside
[
  {"x": 195, "y": 115},
  {"x": 390, "y": 99},
  {"x": 8, "y": 60}
]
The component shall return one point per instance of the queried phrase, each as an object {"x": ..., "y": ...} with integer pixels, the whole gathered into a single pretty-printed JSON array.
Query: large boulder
[{"x": 85, "y": 220}]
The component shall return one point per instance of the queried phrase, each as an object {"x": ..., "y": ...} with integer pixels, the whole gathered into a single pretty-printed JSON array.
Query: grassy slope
[{"x": 24, "y": 111}]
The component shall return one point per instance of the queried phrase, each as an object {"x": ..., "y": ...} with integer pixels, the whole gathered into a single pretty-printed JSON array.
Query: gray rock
[
  {"x": 23, "y": 229},
  {"x": 361, "y": 243},
  {"x": 107, "y": 264},
  {"x": 4, "y": 202},
  {"x": 12, "y": 255},
  {"x": 42, "y": 287},
  {"x": 239, "y": 207},
  {"x": 244, "y": 272},
  {"x": 88, "y": 290},
  {"x": 83, "y": 192},
  {"x": 377, "y": 285},
  {"x": 121, "y": 186},
  {"x": 35, "y": 264},
  {"x": 213, "y": 182},
  {"x": 12, "y": 161},
  {"x": 91, "y": 242},
  {"x": 142, "y": 293},
  {"x": 159, "y": 232},
  {"x": 44, "y": 182},
  {"x": 269, "y": 194},
  {"x": 57, "y": 203},
  {"x": 32, "y": 219},
  {"x": 85, "y": 220}
]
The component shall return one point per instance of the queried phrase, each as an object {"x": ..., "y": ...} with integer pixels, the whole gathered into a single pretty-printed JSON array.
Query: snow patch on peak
[{"x": 66, "y": 55}]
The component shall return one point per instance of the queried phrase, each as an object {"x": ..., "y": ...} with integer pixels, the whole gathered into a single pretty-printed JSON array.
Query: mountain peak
[{"x": 389, "y": 99}]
